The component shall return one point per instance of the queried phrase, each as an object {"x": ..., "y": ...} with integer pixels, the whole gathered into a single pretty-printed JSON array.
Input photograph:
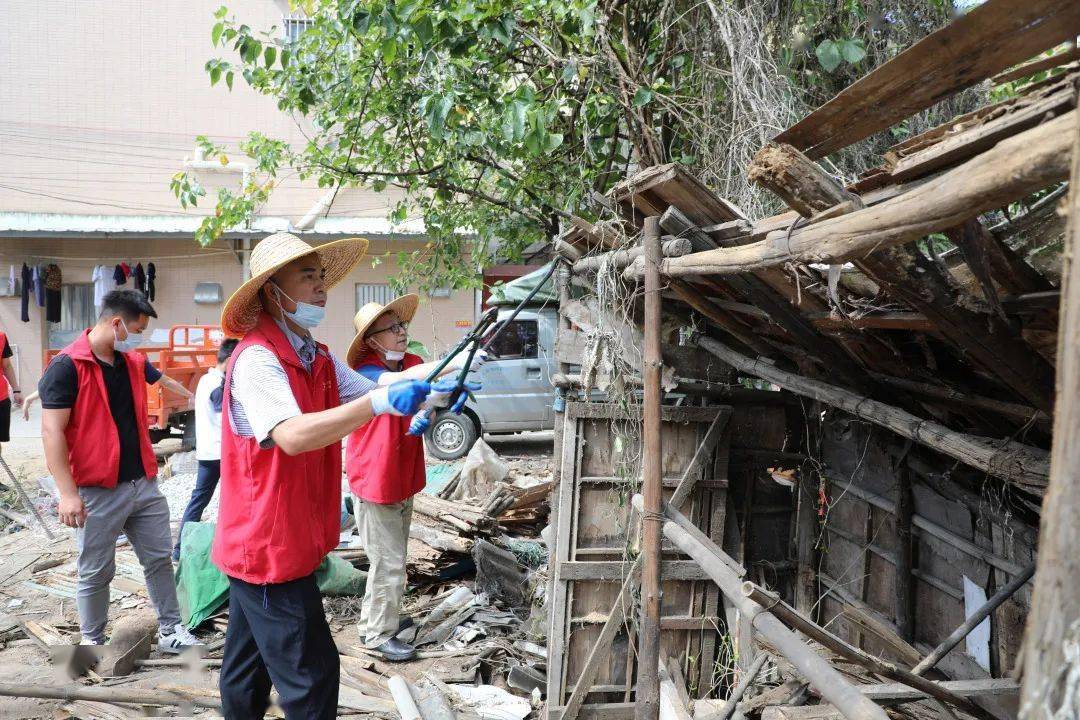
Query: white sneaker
[{"x": 177, "y": 641}]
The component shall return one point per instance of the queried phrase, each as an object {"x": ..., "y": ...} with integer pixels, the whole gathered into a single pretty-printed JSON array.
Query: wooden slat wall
[{"x": 592, "y": 534}]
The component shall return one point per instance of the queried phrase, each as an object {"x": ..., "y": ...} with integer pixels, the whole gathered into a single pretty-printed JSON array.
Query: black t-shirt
[
  {"x": 59, "y": 387},
  {"x": 7, "y": 348}
]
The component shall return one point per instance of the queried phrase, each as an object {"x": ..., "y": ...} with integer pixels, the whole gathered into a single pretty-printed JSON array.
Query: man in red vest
[
  {"x": 8, "y": 387},
  {"x": 385, "y": 467},
  {"x": 288, "y": 403},
  {"x": 96, "y": 435}
]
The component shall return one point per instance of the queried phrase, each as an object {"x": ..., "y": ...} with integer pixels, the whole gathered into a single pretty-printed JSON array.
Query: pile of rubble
[{"x": 474, "y": 610}]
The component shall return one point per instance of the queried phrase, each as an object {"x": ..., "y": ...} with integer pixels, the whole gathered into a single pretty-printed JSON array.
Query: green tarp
[
  {"x": 515, "y": 291},
  {"x": 203, "y": 589}
]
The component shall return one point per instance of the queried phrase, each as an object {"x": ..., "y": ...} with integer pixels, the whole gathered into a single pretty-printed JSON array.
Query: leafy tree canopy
[{"x": 498, "y": 118}]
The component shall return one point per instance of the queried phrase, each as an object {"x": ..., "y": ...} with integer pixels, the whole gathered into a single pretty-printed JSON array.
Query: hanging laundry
[
  {"x": 119, "y": 277},
  {"x": 151, "y": 274},
  {"x": 11, "y": 280},
  {"x": 39, "y": 285},
  {"x": 25, "y": 305},
  {"x": 126, "y": 268},
  {"x": 53, "y": 281},
  {"x": 103, "y": 284},
  {"x": 138, "y": 277}
]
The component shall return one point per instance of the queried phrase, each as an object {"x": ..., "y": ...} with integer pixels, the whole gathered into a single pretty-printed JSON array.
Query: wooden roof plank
[{"x": 991, "y": 38}]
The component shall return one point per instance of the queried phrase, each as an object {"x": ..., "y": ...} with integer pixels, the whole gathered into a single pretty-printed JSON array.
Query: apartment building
[{"x": 99, "y": 106}]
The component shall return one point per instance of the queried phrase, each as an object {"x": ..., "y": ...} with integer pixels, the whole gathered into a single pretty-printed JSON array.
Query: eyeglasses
[{"x": 398, "y": 327}]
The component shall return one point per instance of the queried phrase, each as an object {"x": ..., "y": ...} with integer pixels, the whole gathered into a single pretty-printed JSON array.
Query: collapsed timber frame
[{"x": 889, "y": 476}]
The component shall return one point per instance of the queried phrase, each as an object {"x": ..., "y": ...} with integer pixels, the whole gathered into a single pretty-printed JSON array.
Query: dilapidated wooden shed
[{"x": 853, "y": 423}]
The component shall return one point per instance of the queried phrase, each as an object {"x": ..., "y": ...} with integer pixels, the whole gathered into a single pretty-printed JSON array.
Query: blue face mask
[
  {"x": 133, "y": 341},
  {"x": 306, "y": 315}
]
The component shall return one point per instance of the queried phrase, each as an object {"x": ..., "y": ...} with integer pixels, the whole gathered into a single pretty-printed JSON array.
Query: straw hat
[
  {"x": 404, "y": 307},
  {"x": 241, "y": 312}
]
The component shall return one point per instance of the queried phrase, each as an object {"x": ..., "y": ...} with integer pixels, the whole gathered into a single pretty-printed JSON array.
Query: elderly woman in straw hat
[
  {"x": 385, "y": 467},
  {"x": 287, "y": 404}
]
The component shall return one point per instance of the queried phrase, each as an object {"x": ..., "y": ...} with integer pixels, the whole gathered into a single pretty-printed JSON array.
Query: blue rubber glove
[
  {"x": 401, "y": 398},
  {"x": 420, "y": 423},
  {"x": 463, "y": 398},
  {"x": 442, "y": 390}
]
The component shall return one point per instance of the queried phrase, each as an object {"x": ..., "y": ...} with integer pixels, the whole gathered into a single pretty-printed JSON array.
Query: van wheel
[{"x": 451, "y": 436}]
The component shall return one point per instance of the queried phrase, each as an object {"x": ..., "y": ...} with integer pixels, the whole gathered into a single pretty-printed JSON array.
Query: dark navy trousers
[{"x": 278, "y": 634}]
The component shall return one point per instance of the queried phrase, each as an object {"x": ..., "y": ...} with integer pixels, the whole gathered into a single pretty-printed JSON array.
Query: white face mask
[
  {"x": 394, "y": 355},
  {"x": 306, "y": 315},
  {"x": 132, "y": 341}
]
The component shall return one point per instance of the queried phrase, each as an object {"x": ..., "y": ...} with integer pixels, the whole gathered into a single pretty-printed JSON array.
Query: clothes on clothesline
[
  {"x": 24, "y": 307},
  {"x": 53, "y": 282},
  {"x": 138, "y": 276},
  {"x": 39, "y": 285},
  {"x": 102, "y": 277}
]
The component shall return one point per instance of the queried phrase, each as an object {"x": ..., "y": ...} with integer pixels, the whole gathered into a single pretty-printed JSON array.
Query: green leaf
[
  {"x": 852, "y": 51},
  {"x": 569, "y": 72},
  {"x": 642, "y": 97},
  {"x": 828, "y": 54},
  {"x": 270, "y": 56},
  {"x": 215, "y": 74},
  {"x": 221, "y": 12},
  {"x": 215, "y": 34},
  {"x": 554, "y": 140},
  {"x": 388, "y": 49},
  {"x": 378, "y": 185},
  {"x": 229, "y": 79}
]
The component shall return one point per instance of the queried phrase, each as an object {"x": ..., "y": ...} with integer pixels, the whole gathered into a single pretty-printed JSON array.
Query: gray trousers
[
  {"x": 140, "y": 511},
  {"x": 384, "y": 533}
]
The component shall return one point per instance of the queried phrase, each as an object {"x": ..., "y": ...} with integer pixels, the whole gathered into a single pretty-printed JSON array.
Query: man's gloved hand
[
  {"x": 458, "y": 361},
  {"x": 442, "y": 390},
  {"x": 401, "y": 398},
  {"x": 420, "y": 423}
]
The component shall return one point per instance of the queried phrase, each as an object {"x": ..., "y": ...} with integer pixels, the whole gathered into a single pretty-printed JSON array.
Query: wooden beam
[
  {"x": 1010, "y": 170},
  {"x": 977, "y": 45},
  {"x": 879, "y": 321},
  {"x": 1002, "y": 407},
  {"x": 796, "y": 179},
  {"x": 958, "y": 146},
  {"x": 647, "y": 701},
  {"x": 618, "y": 259},
  {"x": 984, "y": 687},
  {"x": 904, "y": 604},
  {"x": 1023, "y": 465},
  {"x": 1051, "y": 623},
  {"x": 1037, "y": 66}
]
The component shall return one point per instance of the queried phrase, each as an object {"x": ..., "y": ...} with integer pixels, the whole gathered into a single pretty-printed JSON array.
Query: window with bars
[
  {"x": 373, "y": 292},
  {"x": 293, "y": 27}
]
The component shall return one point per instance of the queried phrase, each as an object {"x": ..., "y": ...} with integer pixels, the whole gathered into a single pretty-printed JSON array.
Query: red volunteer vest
[
  {"x": 385, "y": 464},
  {"x": 4, "y": 385},
  {"x": 92, "y": 438},
  {"x": 279, "y": 516}
]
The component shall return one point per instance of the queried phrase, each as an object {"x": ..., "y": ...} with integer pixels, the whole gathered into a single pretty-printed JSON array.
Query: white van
[{"x": 517, "y": 394}]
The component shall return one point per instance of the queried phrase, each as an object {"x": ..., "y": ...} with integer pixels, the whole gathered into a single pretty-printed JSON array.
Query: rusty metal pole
[{"x": 647, "y": 705}]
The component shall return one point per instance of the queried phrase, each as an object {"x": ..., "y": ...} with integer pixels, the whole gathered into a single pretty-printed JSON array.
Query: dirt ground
[{"x": 23, "y": 660}]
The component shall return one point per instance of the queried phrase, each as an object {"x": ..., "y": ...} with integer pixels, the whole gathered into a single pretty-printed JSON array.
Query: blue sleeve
[
  {"x": 371, "y": 372},
  {"x": 152, "y": 373}
]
